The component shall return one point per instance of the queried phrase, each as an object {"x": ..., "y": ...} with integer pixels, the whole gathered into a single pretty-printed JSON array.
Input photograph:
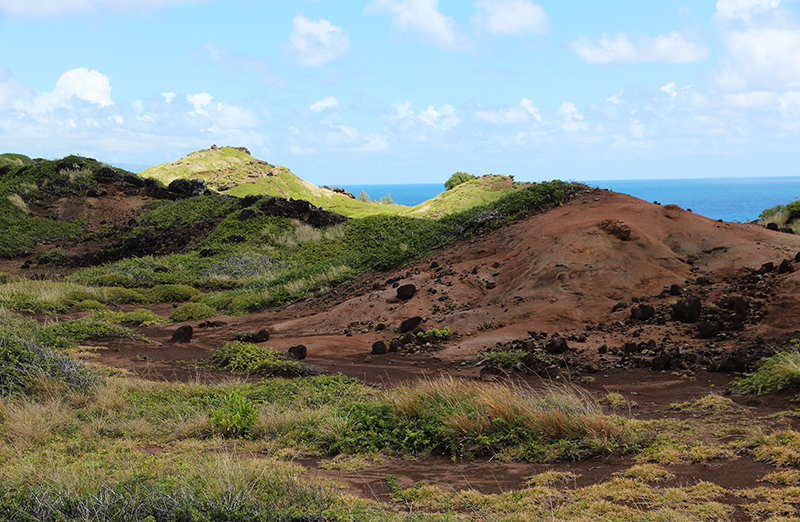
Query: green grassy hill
[
  {"x": 234, "y": 171},
  {"x": 479, "y": 191}
]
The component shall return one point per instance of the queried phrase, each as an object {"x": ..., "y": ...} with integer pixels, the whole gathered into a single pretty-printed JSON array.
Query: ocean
[{"x": 729, "y": 199}]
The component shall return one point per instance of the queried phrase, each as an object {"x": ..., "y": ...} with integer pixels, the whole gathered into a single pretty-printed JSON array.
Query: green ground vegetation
[{"x": 783, "y": 215}]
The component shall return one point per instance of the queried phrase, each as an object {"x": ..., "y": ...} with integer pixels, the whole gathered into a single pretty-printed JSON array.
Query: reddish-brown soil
[{"x": 561, "y": 272}]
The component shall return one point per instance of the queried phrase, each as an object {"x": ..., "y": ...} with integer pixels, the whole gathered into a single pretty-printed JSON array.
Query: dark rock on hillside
[
  {"x": 186, "y": 188},
  {"x": 676, "y": 290},
  {"x": 619, "y": 306},
  {"x": 661, "y": 362},
  {"x": 707, "y": 329},
  {"x": 556, "y": 345},
  {"x": 406, "y": 292},
  {"x": 772, "y": 226},
  {"x": 395, "y": 345},
  {"x": 183, "y": 334},
  {"x": 410, "y": 323},
  {"x": 492, "y": 373},
  {"x": 642, "y": 312},
  {"x": 300, "y": 210},
  {"x": 298, "y": 352},
  {"x": 785, "y": 267},
  {"x": 379, "y": 348},
  {"x": 107, "y": 175},
  {"x": 687, "y": 310},
  {"x": 766, "y": 268}
]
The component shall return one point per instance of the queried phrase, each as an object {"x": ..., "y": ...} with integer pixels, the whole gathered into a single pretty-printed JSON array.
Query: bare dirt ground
[{"x": 586, "y": 272}]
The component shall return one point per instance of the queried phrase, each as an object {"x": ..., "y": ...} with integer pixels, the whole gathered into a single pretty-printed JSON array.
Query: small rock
[
  {"x": 299, "y": 352},
  {"x": 556, "y": 345},
  {"x": 406, "y": 292},
  {"x": 409, "y": 324},
  {"x": 785, "y": 267},
  {"x": 642, "y": 312},
  {"x": 379, "y": 348},
  {"x": 183, "y": 334}
]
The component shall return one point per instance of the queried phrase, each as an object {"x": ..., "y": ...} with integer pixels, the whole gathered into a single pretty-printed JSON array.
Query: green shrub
[
  {"x": 88, "y": 305},
  {"x": 236, "y": 418},
  {"x": 248, "y": 304},
  {"x": 117, "y": 295},
  {"x": 457, "y": 179},
  {"x": 171, "y": 293},
  {"x": 140, "y": 316},
  {"x": 779, "y": 372},
  {"x": 242, "y": 357},
  {"x": 191, "y": 312},
  {"x": 74, "y": 297},
  {"x": 71, "y": 332},
  {"x": 114, "y": 279}
]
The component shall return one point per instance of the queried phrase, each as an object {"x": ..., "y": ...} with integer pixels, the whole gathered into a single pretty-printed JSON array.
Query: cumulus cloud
[
  {"x": 512, "y": 115},
  {"x": 510, "y": 17},
  {"x": 317, "y": 43},
  {"x": 222, "y": 116},
  {"x": 403, "y": 110},
  {"x": 328, "y": 103},
  {"x": 669, "y": 48},
  {"x": 49, "y": 8},
  {"x": 789, "y": 104},
  {"x": 572, "y": 119},
  {"x": 168, "y": 96},
  {"x": 728, "y": 10},
  {"x": 423, "y": 18},
  {"x": 80, "y": 83},
  {"x": 443, "y": 119}
]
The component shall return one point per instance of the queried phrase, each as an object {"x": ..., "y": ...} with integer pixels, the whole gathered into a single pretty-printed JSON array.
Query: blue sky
[{"x": 410, "y": 91}]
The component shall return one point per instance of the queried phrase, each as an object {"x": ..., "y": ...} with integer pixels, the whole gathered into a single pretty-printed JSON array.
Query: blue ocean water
[{"x": 729, "y": 199}]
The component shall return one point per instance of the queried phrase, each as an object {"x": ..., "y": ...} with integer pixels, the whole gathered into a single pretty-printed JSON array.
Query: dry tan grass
[
  {"x": 16, "y": 200},
  {"x": 28, "y": 423}
]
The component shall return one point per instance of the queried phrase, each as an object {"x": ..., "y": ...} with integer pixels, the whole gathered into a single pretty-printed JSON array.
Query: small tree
[
  {"x": 457, "y": 179},
  {"x": 363, "y": 197},
  {"x": 387, "y": 199}
]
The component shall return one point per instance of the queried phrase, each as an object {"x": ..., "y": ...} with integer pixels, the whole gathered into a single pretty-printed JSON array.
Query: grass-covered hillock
[
  {"x": 262, "y": 260},
  {"x": 473, "y": 192},
  {"x": 24, "y": 182},
  {"x": 234, "y": 171}
]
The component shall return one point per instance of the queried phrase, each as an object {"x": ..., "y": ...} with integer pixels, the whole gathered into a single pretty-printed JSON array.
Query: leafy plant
[
  {"x": 240, "y": 357},
  {"x": 171, "y": 293},
  {"x": 457, "y": 179},
  {"x": 779, "y": 372},
  {"x": 236, "y": 418},
  {"x": 191, "y": 312}
]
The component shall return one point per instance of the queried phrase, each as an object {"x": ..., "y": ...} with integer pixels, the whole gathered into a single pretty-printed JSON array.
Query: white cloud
[
  {"x": 728, "y": 10},
  {"x": 119, "y": 120},
  {"x": 328, "y": 103},
  {"x": 90, "y": 86},
  {"x": 317, "y": 43},
  {"x": 168, "y": 96},
  {"x": 512, "y": 115},
  {"x": 233, "y": 117},
  {"x": 572, "y": 118},
  {"x": 510, "y": 17},
  {"x": 761, "y": 58},
  {"x": 670, "y": 48},
  {"x": 403, "y": 111},
  {"x": 789, "y": 104},
  {"x": 373, "y": 143},
  {"x": 750, "y": 100},
  {"x": 670, "y": 89},
  {"x": 443, "y": 119},
  {"x": 638, "y": 129},
  {"x": 616, "y": 99},
  {"x": 423, "y": 18},
  {"x": 199, "y": 101},
  {"x": 47, "y": 8}
]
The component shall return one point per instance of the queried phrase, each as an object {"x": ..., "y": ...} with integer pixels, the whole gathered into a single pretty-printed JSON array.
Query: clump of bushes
[
  {"x": 249, "y": 358},
  {"x": 171, "y": 293},
  {"x": 779, "y": 372},
  {"x": 191, "y": 312}
]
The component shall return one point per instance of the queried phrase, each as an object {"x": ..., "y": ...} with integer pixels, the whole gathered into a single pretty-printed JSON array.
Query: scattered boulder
[
  {"x": 642, "y": 312},
  {"x": 707, "y": 329},
  {"x": 395, "y": 345},
  {"x": 661, "y": 362},
  {"x": 772, "y": 226},
  {"x": 786, "y": 267},
  {"x": 187, "y": 188},
  {"x": 766, "y": 268},
  {"x": 406, "y": 292},
  {"x": 785, "y": 229},
  {"x": 300, "y": 210},
  {"x": 619, "y": 306},
  {"x": 556, "y": 345},
  {"x": 688, "y": 309},
  {"x": 379, "y": 348},
  {"x": 183, "y": 334},
  {"x": 410, "y": 324},
  {"x": 676, "y": 290},
  {"x": 299, "y": 352}
]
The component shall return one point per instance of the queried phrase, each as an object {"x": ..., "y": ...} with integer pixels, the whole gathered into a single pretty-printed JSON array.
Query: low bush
[
  {"x": 138, "y": 317},
  {"x": 242, "y": 357},
  {"x": 779, "y": 372},
  {"x": 236, "y": 418},
  {"x": 69, "y": 333},
  {"x": 117, "y": 296},
  {"x": 191, "y": 312}
]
